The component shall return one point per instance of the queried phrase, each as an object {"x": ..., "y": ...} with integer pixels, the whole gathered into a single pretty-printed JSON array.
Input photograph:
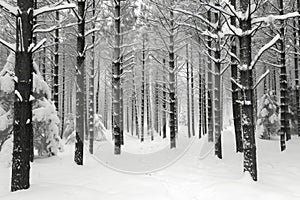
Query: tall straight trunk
[
  {"x": 56, "y": 63},
  {"x": 105, "y": 117},
  {"x": 210, "y": 109},
  {"x": 91, "y": 88},
  {"x": 297, "y": 38},
  {"x": 134, "y": 96},
  {"x": 143, "y": 93},
  {"x": 164, "y": 114},
  {"x": 235, "y": 91},
  {"x": 172, "y": 82},
  {"x": 44, "y": 63},
  {"x": 23, "y": 132},
  {"x": 188, "y": 91},
  {"x": 204, "y": 99},
  {"x": 283, "y": 84},
  {"x": 156, "y": 104},
  {"x": 200, "y": 85},
  {"x": 247, "y": 97},
  {"x": 98, "y": 87},
  {"x": 296, "y": 62},
  {"x": 63, "y": 94},
  {"x": 121, "y": 117},
  {"x": 116, "y": 80},
  {"x": 132, "y": 114},
  {"x": 127, "y": 118},
  {"x": 192, "y": 92},
  {"x": 217, "y": 90},
  {"x": 80, "y": 84}
]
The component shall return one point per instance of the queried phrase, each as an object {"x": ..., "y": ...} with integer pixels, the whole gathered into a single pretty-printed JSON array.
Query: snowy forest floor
[{"x": 193, "y": 177}]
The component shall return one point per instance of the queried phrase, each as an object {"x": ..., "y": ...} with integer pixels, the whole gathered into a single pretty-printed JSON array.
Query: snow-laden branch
[
  {"x": 46, "y": 30},
  {"x": 263, "y": 49},
  {"x": 237, "y": 84},
  {"x": 9, "y": 8},
  {"x": 91, "y": 31},
  {"x": 8, "y": 45},
  {"x": 38, "y": 45},
  {"x": 212, "y": 25},
  {"x": 262, "y": 77},
  {"x": 271, "y": 18},
  {"x": 50, "y": 8}
]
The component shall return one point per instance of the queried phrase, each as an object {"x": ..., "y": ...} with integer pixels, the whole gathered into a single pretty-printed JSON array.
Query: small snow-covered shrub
[{"x": 268, "y": 117}]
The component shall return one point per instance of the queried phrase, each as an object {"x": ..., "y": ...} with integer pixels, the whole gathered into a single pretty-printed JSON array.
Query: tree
[{"x": 268, "y": 116}]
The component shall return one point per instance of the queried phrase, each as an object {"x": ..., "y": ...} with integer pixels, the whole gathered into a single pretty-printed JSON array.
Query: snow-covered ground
[{"x": 197, "y": 175}]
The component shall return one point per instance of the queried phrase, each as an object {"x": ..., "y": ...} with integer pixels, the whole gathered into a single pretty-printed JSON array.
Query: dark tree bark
[
  {"x": 23, "y": 132},
  {"x": 56, "y": 63},
  {"x": 235, "y": 91},
  {"x": 143, "y": 92},
  {"x": 164, "y": 99},
  {"x": 116, "y": 80},
  {"x": 80, "y": 97},
  {"x": 172, "y": 82},
  {"x": 247, "y": 95},
  {"x": 217, "y": 90},
  {"x": 283, "y": 84},
  {"x": 210, "y": 113},
  {"x": 63, "y": 95}
]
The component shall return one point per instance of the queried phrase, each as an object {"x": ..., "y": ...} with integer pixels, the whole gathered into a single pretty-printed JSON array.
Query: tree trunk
[
  {"x": 164, "y": 114},
  {"x": 297, "y": 71},
  {"x": 200, "y": 85},
  {"x": 210, "y": 87},
  {"x": 217, "y": 90},
  {"x": 188, "y": 91},
  {"x": 116, "y": 81},
  {"x": 143, "y": 93},
  {"x": 80, "y": 84},
  {"x": 56, "y": 63},
  {"x": 283, "y": 84},
  {"x": 172, "y": 83},
  {"x": 23, "y": 132},
  {"x": 235, "y": 92},
  {"x": 91, "y": 88},
  {"x": 63, "y": 95},
  {"x": 247, "y": 97},
  {"x": 192, "y": 92}
]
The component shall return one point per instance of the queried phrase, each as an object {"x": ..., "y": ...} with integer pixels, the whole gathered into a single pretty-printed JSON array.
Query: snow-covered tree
[
  {"x": 268, "y": 117},
  {"x": 45, "y": 121}
]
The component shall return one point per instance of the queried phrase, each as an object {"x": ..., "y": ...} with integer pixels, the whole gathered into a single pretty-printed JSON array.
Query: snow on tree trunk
[
  {"x": 200, "y": 85},
  {"x": 172, "y": 82},
  {"x": 143, "y": 92},
  {"x": 56, "y": 62},
  {"x": 217, "y": 89},
  {"x": 235, "y": 92},
  {"x": 164, "y": 114},
  {"x": 249, "y": 145},
  {"x": 63, "y": 94},
  {"x": 80, "y": 85},
  {"x": 23, "y": 132},
  {"x": 91, "y": 88},
  {"x": 116, "y": 81},
  {"x": 283, "y": 84},
  {"x": 210, "y": 87}
]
